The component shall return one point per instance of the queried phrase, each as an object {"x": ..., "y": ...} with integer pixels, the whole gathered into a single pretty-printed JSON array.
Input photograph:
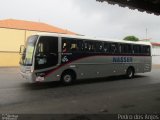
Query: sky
[{"x": 86, "y": 17}]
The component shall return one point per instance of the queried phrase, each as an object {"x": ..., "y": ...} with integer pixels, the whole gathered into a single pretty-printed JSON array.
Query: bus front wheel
[
  {"x": 67, "y": 78},
  {"x": 130, "y": 72}
]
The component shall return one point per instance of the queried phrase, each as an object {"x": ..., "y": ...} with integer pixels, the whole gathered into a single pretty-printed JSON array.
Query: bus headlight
[
  {"x": 32, "y": 69},
  {"x": 28, "y": 71}
]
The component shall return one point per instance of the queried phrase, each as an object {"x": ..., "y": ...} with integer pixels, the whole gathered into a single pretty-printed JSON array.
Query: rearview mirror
[{"x": 21, "y": 49}]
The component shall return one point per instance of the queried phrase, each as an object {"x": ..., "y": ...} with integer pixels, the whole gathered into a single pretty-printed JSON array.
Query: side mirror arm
[{"x": 21, "y": 49}]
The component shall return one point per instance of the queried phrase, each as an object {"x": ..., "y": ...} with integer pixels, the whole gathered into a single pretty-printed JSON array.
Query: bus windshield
[{"x": 27, "y": 56}]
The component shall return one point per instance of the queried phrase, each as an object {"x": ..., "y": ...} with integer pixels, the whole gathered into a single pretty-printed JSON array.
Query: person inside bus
[
  {"x": 64, "y": 47},
  {"x": 73, "y": 47}
]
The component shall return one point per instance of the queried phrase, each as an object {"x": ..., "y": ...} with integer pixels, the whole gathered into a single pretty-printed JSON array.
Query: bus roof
[{"x": 93, "y": 38}]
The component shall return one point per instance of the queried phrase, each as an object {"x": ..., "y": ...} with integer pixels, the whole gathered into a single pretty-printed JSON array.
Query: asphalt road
[{"x": 107, "y": 95}]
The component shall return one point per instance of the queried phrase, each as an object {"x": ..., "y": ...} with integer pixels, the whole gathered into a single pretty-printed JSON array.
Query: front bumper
[{"x": 28, "y": 76}]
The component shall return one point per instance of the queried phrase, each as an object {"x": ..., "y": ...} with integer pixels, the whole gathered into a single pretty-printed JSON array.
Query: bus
[{"x": 66, "y": 58}]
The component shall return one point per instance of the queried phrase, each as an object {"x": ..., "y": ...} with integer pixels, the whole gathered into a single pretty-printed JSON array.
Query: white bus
[{"x": 66, "y": 58}]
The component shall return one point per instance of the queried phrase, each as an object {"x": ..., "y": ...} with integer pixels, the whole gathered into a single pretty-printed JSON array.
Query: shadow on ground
[{"x": 55, "y": 84}]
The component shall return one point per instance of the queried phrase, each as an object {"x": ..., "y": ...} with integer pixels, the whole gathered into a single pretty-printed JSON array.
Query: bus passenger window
[
  {"x": 129, "y": 49},
  {"x": 73, "y": 46},
  {"x": 99, "y": 47},
  {"x": 114, "y": 48},
  {"x": 65, "y": 45},
  {"x": 86, "y": 46},
  {"x": 146, "y": 50},
  {"x": 106, "y": 47},
  {"x": 137, "y": 49},
  {"x": 124, "y": 48},
  {"x": 80, "y": 45},
  {"x": 91, "y": 46}
]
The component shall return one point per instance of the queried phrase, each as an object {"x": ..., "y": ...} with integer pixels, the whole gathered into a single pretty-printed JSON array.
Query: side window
[
  {"x": 86, "y": 46},
  {"x": 65, "y": 45},
  {"x": 146, "y": 50},
  {"x": 91, "y": 46},
  {"x": 114, "y": 47},
  {"x": 69, "y": 45},
  {"x": 137, "y": 49},
  {"x": 106, "y": 47},
  {"x": 134, "y": 49},
  {"x": 73, "y": 45},
  {"x": 129, "y": 49},
  {"x": 80, "y": 45},
  {"x": 140, "y": 49},
  {"x": 123, "y": 48},
  {"x": 126, "y": 48},
  {"x": 99, "y": 46}
]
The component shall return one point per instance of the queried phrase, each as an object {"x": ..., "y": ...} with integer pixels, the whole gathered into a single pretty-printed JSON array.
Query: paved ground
[{"x": 108, "y": 95}]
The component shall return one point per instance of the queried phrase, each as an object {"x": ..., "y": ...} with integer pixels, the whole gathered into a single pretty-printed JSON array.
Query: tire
[
  {"x": 67, "y": 78},
  {"x": 130, "y": 73}
]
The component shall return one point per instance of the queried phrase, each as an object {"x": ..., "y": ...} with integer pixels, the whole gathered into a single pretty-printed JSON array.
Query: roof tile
[{"x": 32, "y": 26}]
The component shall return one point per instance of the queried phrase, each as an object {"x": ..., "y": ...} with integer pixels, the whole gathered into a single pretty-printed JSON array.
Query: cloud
[{"x": 87, "y": 17}]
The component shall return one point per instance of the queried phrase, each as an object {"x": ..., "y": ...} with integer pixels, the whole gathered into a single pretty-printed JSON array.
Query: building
[
  {"x": 14, "y": 33},
  {"x": 155, "y": 53},
  {"x": 155, "y": 49}
]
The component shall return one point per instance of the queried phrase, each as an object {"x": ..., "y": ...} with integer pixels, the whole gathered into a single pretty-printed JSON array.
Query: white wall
[
  {"x": 156, "y": 59},
  {"x": 156, "y": 54},
  {"x": 156, "y": 50}
]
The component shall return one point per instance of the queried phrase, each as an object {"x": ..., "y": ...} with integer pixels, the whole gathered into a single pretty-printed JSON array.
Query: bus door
[{"x": 46, "y": 53}]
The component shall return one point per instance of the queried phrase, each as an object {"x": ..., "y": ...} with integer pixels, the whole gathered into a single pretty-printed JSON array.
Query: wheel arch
[
  {"x": 73, "y": 72},
  {"x": 131, "y": 67}
]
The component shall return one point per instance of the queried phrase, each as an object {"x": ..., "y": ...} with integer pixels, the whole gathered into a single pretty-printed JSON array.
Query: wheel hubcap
[
  {"x": 130, "y": 74},
  {"x": 67, "y": 78}
]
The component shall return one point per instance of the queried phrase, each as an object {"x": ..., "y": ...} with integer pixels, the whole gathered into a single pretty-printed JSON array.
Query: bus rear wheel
[
  {"x": 67, "y": 78},
  {"x": 130, "y": 73}
]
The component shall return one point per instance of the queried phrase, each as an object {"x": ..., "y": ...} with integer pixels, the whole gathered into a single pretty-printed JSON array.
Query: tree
[{"x": 131, "y": 38}]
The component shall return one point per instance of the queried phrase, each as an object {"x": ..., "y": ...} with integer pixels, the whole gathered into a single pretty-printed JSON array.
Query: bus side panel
[
  {"x": 95, "y": 66},
  {"x": 147, "y": 64},
  {"x": 99, "y": 66}
]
